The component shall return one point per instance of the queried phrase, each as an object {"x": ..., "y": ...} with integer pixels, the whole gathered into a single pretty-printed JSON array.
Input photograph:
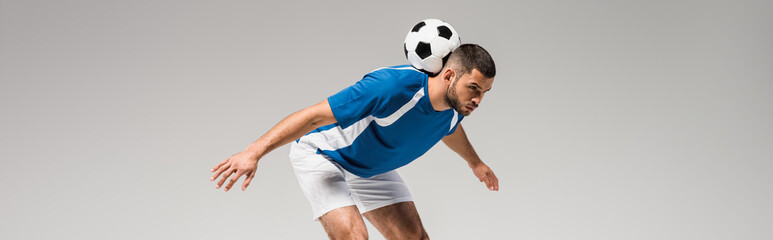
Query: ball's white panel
[
  {"x": 433, "y": 22},
  {"x": 440, "y": 47},
  {"x": 411, "y": 40},
  {"x": 415, "y": 60},
  {"x": 427, "y": 34},
  {"x": 433, "y": 64},
  {"x": 455, "y": 42}
]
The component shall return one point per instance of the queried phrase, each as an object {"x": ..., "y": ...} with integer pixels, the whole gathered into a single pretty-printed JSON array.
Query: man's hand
[
  {"x": 290, "y": 128},
  {"x": 484, "y": 174},
  {"x": 241, "y": 163}
]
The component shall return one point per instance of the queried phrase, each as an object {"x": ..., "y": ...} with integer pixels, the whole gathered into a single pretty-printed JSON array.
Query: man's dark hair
[{"x": 472, "y": 56}]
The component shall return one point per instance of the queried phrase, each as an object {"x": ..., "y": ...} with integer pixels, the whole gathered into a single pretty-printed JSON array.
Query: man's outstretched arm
[
  {"x": 458, "y": 142},
  {"x": 290, "y": 128}
]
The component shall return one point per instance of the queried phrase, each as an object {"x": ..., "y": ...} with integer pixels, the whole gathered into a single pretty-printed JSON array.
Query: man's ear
[{"x": 448, "y": 76}]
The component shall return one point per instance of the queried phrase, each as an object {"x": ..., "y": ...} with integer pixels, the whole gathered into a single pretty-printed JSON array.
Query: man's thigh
[
  {"x": 344, "y": 223},
  {"x": 398, "y": 221},
  {"x": 322, "y": 181},
  {"x": 327, "y": 186}
]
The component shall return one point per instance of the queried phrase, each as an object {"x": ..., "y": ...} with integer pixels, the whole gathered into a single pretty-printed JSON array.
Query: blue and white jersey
[{"x": 384, "y": 122}]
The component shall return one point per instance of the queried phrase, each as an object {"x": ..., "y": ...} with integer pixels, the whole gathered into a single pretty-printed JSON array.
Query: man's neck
[{"x": 437, "y": 93}]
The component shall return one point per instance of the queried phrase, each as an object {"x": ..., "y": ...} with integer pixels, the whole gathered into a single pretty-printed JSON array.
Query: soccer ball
[{"x": 429, "y": 44}]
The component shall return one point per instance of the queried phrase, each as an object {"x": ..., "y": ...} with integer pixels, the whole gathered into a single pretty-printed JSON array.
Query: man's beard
[{"x": 453, "y": 100}]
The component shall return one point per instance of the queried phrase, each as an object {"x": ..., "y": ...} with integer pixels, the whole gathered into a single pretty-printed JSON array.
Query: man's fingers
[
  {"x": 227, "y": 173},
  {"x": 247, "y": 180},
  {"x": 495, "y": 180},
  {"x": 219, "y": 171},
  {"x": 491, "y": 184},
  {"x": 488, "y": 182},
  {"x": 233, "y": 180},
  {"x": 219, "y": 164}
]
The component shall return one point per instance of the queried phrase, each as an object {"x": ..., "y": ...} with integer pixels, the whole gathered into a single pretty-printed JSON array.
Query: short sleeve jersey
[{"x": 384, "y": 122}]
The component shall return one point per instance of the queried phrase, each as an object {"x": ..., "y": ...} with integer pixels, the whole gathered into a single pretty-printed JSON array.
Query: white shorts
[{"x": 328, "y": 186}]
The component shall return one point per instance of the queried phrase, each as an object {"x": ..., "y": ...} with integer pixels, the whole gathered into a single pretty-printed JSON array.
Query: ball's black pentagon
[
  {"x": 418, "y": 26},
  {"x": 423, "y": 50},
  {"x": 405, "y": 49},
  {"x": 444, "y": 32}
]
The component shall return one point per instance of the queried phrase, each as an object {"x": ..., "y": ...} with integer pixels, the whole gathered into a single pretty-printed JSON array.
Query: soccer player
[{"x": 346, "y": 148}]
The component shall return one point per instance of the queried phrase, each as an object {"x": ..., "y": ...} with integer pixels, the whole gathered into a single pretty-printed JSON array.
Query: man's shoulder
[
  {"x": 397, "y": 68},
  {"x": 399, "y": 71},
  {"x": 398, "y": 76}
]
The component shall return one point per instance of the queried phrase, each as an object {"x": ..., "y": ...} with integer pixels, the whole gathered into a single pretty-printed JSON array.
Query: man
[{"x": 345, "y": 149}]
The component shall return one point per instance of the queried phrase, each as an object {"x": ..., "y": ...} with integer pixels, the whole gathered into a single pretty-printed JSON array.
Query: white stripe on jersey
[
  {"x": 337, "y": 138},
  {"x": 453, "y": 121}
]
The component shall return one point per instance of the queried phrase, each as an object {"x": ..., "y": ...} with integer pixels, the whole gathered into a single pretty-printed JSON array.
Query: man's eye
[{"x": 473, "y": 87}]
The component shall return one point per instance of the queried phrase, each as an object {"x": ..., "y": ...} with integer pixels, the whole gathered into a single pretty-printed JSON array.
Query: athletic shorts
[{"x": 328, "y": 186}]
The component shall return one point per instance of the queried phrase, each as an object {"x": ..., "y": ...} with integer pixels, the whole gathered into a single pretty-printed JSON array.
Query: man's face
[{"x": 466, "y": 91}]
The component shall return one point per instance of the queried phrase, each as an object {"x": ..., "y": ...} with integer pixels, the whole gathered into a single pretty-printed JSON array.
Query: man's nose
[{"x": 476, "y": 100}]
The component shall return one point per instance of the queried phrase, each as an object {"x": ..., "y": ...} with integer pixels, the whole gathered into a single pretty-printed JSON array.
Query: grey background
[{"x": 608, "y": 119}]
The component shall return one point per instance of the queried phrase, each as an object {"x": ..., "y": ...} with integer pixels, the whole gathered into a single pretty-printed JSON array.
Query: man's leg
[
  {"x": 398, "y": 221},
  {"x": 344, "y": 223},
  {"x": 324, "y": 185}
]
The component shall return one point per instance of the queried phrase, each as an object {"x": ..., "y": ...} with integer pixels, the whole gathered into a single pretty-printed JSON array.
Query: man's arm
[
  {"x": 287, "y": 130},
  {"x": 458, "y": 142}
]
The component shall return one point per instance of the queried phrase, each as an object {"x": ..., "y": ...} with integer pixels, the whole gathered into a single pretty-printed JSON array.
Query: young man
[{"x": 345, "y": 149}]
